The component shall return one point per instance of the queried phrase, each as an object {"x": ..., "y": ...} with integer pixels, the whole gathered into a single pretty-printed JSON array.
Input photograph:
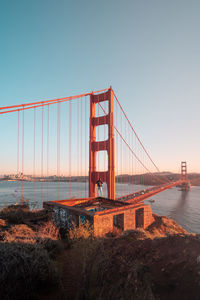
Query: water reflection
[
  {"x": 180, "y": 210},
  {"x": 182, "y": 201}
]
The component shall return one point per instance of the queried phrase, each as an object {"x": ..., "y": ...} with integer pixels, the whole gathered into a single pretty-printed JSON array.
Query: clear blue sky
[{"x": 149, "y": 51}]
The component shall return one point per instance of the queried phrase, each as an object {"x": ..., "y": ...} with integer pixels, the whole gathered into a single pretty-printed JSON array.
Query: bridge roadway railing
[{"x": 147, "y": 193}]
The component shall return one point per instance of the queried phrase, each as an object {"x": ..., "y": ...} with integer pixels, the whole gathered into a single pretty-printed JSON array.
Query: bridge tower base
[{"x": 109, "y": 145}]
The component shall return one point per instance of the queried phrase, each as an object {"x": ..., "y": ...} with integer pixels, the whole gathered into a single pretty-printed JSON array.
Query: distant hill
[{"x": 148, "y": 179}]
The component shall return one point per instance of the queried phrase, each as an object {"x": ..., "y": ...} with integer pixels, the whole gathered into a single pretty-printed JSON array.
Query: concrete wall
[
  {"x": 104, "y": 223},
  {"x": 148, "y": 220}
]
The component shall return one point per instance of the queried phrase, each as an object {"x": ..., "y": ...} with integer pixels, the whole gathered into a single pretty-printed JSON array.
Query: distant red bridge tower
[
  {"x": 109, "y": 145},
  {"x": 184, "y": 170},
  {"x": 184, "y": 176}
]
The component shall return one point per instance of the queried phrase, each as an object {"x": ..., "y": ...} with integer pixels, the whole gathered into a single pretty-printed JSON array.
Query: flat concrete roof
[{"x": 93, "y": 206}]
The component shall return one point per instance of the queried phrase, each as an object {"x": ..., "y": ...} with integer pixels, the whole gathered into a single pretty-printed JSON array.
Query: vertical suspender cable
[
  {"x": 121, "y": 157},
  {"x": 125, "y": 163},
  {"x": 116, "y": 147},
  {"x": 58, "y": 151},
  {"x": 42, "y": 154},
  {"x": 98, "y": 169},
  {"x": 129, "y": 163},
  {"x": 132, "y": 175},
  {"x": 104, "y": 144},
  {"x": 81, "y": 128},
  {"x": 34, "y": 117},
  {"x": 18, "y": 158},
  {"x": 47, "y": 151},
  {"x": 22, "y": 156},
  {"x": 78, "y": 148},
  {"x": 136, "y": 176},
  {"x": 85, "y": 147},
  {"x": 70, "y": 145}
]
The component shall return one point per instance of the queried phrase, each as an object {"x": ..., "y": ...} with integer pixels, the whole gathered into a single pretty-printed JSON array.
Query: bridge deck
[{"x": 147, "y": 193}]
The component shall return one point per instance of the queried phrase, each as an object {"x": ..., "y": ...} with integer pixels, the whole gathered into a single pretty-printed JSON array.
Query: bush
[
  {"x": 49, "y": 231},
  {"x": 15, "y": 213},
  {"x": 20, "y": 234},
  {"x": 24, "y": 268},
  {"x": 19, "y": 214},
  {"x": 84, "y": 231},
  {"x": 47, "y": 236},
  {"x": 53, "y": 247},
  {"x": 110, "y": 274}
]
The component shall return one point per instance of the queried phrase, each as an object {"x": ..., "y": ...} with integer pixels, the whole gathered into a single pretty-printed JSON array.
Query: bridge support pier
[{"x": 109, "y": 145}]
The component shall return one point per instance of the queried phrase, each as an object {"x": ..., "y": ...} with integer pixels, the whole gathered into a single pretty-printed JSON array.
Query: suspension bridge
[{"x": 74, "y": 141}]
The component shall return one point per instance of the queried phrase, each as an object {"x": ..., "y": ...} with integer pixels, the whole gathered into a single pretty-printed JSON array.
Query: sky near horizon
[{"x": 149, "y": 51}]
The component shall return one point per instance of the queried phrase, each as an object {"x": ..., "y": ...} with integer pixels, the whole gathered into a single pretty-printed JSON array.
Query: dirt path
[{"x": 71, "y": 266}]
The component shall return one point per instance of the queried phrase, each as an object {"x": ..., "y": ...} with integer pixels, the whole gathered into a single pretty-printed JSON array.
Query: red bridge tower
[
  {"x": 184, "y": 170},
  {"x": 109, "y": 145},
  {"x": 184, "y": 176}
]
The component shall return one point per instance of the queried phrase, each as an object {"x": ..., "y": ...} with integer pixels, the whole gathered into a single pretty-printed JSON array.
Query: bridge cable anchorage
[
  {"x": 43, "y": 103},
  {"x": 133, "y": 151}
]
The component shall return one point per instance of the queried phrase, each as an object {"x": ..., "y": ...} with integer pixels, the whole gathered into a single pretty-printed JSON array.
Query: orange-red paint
[{"x": 109, "y": 145}]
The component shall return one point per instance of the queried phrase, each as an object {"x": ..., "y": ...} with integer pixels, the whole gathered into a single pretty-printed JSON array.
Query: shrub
[
  {"x": 53, "y": 247},
  {"x": 24, "y": 268},
  {"x": 20, "y": 234},
  {"x": 19, "y": 214},
  {"x": 15, "y": 213},
  {"x": 49, "y": 231},
  {"x": 84, "y": 231},
  {"x": 47, "y": 236}
]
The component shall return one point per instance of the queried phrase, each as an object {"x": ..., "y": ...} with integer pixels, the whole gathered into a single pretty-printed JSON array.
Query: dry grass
[
  {"x": 48, "y": 231},
  {"x": 2, "y": 223},
  {"x": 84, "y": 231},
  {"x": 163, "y": 226},
  {"x": 47, "y": 236},
  {"x": 24, "y": 234},
  {"x": 20, "y": 234}
]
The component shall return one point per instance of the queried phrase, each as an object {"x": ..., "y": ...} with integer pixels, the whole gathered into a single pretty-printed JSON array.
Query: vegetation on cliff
[{"x": 36, "y": 262}]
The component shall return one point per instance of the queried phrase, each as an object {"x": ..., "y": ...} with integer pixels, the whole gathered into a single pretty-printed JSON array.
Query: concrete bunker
[{"x": 103, "y": 214}]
